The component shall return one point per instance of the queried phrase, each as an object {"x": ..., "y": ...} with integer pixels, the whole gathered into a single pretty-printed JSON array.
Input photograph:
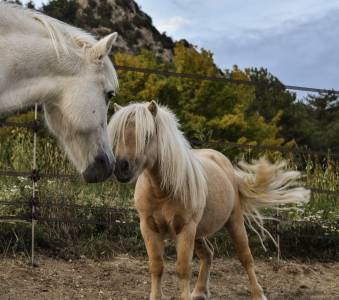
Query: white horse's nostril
[{"x": 99, "y": 170}]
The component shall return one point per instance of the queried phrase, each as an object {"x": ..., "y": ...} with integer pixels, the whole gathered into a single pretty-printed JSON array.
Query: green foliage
[
  {"x": 65, "y": 10},
  {"x": 207, "y": 109},
  {"x": 30, "y": 4},
  {"x": 313, "y": 122},
  {"x": 96, "y": 15},
  {"x": 271, "y": 95},
  {"x": 323, "y": 114}
]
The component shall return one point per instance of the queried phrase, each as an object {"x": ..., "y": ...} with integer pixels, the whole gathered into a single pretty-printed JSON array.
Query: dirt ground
[{"x": 127, "y": 278}]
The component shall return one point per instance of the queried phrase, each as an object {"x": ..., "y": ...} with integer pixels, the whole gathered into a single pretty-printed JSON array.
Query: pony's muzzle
[
  {"x": 99, "y": 170},
  {"x": 122, "y": 171}
]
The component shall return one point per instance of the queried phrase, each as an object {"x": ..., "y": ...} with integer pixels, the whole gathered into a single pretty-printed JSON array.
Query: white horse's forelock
[
  {"x": 64, "y": 37},
  {"x": 181, "y": 171}
]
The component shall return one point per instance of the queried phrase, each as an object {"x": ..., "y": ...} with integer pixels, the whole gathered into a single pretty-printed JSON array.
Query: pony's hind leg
[
  {"x": 237, "y": 230},
  {"x": 155, "y": 248},
  {"x": 204, "y": 251}
]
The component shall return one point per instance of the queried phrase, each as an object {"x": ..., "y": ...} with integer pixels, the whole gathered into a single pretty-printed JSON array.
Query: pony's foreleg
[
  {"x": 155, "y": 248},
  {"x": 205, "y": 253},
  {"x": 185, "y": 246},
  {"x": 237, "y": 230}
]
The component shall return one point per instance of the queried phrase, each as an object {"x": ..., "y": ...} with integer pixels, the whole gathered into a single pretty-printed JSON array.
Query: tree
[
  {"x": 63, "y": 10},
  {"x": 30, "y": 4},
  {"x": 207, "y": 109},
  {"x": 323, "y": 113}
]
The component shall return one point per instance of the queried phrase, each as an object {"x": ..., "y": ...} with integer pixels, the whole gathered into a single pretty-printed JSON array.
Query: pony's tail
[{"x": 262, "y": 184}]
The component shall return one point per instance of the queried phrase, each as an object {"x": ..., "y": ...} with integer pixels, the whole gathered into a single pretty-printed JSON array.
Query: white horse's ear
[
  {"x": 153, "y": 107},
  {"x": 102, "y": 47},
  {"x": 116, "y": 107}
]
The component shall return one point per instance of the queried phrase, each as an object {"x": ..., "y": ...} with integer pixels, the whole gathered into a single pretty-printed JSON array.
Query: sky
[{"x": 296, "y": 40}]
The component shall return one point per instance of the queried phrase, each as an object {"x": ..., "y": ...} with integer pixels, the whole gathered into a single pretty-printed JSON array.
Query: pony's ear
[
  {"x": 116, "y": 107},
  {"x": 102, "y": 47},
  {"x": 153, "y": 107}
]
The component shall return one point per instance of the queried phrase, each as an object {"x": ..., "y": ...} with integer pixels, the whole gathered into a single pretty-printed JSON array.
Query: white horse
[{"x": 64, "y": 68}]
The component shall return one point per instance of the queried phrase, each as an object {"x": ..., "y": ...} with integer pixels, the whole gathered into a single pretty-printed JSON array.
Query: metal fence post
[
  {"x": 34, "y": 185},
  {"x": 278, "y": 236}
]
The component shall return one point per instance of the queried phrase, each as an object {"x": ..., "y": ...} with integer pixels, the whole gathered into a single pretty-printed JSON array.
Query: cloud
[
  {"x": 300, "y": 53},
  {"x": 172, "y": 24}
]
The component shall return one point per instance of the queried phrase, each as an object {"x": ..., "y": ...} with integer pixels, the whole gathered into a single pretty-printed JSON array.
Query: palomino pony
[
  {"x": 188, "y": 195},
  {"x": 65, "y": 69}
]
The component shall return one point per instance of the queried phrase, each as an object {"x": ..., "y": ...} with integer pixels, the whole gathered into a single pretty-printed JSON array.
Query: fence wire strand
[
  {"x": 215, "y": 78},
  {"x": 35, "y": 126}
]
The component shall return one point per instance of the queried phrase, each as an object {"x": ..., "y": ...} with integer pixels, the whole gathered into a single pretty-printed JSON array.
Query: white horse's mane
[
  {"x": 64, "y": 37},
  {"x": 181, "y": 171}
]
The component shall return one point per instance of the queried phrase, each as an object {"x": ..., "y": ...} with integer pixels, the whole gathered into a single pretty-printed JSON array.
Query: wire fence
[
  {"x": 125, "y": 215},
  {"x": 118, "y": 215},
  {"x": 219, "y": 79}
]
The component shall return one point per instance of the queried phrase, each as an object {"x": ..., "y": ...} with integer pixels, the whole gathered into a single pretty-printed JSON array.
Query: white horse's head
[
  {"x": 69, "y": 72},
  {"x": 78, "y": 115}
]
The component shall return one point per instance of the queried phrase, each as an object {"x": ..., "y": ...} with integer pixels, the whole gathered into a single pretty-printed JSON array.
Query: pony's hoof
[
  {"x": 262, "y": 297},
  {"x": 185, "y": 297},
  {"x": 157, "y": 297},
  {"x": 200, "y": 296}
]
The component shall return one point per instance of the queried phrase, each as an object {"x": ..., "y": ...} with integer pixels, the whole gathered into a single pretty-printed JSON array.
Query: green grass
[{"x": 319, "y": 217}]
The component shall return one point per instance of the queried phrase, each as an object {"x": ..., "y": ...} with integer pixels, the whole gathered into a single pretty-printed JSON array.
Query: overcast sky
[{"x": 296, "y": 40}]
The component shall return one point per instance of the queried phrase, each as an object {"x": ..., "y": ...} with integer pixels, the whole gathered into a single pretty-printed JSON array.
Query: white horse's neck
[{"x": 31, "y": 70}]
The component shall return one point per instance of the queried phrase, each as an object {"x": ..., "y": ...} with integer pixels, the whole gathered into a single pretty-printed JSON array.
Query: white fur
[
  {"x": 64, "y": 68},
  {"x": 181, "y": 172}
]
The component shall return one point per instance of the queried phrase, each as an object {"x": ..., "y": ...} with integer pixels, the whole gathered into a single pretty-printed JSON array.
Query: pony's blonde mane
[
  {"x": 64, "y": 37},
  {"x": 181, "y": 171}
]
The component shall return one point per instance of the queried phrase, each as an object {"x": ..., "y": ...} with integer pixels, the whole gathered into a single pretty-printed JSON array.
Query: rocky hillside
[{"x": 135, "y": 28}]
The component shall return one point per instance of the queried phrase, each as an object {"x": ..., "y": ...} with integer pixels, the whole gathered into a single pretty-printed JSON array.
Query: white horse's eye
[{"x": 110, "y": 94}]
